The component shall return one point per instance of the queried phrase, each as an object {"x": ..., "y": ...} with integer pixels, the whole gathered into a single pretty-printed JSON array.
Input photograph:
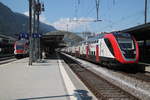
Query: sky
[{"x": 115, "y": 14}]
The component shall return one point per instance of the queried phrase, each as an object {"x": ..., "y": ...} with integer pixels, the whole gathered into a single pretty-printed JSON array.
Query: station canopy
[
  {"x": 51, "y": 40},
  {"x": 59, "y": 38},
  {"x": 141, "y": 32}
]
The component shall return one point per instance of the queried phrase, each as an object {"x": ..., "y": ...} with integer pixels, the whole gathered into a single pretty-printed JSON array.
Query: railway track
[
  {"x": 7, "y": 59},
  {"x": 102, "y": 89}
]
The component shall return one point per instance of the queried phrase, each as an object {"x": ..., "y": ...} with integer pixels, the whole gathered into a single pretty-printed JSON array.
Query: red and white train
[
  {"x": 21, "y": 48},
  {"x": 108, "y": 48}
]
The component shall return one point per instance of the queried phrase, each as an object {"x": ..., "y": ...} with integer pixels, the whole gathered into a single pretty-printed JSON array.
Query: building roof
[{"x": 140, "y": 32}]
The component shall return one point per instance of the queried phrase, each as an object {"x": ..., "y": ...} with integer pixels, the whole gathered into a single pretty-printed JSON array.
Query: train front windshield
[
  {"x": 125, "y": 41},
  {"x": 19, "y": 47}
]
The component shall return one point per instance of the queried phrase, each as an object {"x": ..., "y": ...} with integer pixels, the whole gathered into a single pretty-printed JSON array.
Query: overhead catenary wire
[
  {"x": 123, "y": 19},
  {"x": 90, "y": 10},
  {"x": 114, "y": 2},
  {"x": 77, "y": 4}
]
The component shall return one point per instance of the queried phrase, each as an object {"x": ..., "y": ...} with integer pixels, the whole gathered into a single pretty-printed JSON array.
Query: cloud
[
  {"x": 26, "y": 13},
  {"x": 66, "y": 23},
  {"x": 42, "y": 17},
  {"x": 71, "y": 24}
]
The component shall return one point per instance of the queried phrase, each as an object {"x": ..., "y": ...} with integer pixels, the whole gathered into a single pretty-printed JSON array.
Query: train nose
[
  {"x": 129, "y": 54},
  {"x": 19, "y": 51}
]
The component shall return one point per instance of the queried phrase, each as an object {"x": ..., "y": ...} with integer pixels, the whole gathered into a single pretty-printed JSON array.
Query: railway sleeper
[{"x": 109, "y": 95}]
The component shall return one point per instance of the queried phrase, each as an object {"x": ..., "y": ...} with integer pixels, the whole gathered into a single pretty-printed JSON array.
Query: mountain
[{"x": 12, "y": 23}]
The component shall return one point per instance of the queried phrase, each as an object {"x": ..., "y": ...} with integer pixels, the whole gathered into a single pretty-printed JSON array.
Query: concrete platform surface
[
  {"x": 18, "y": 81},
  {"x": 41, "y": 81}
]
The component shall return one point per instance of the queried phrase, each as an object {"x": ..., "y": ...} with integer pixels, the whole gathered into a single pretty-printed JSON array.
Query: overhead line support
[{"x": 145, "y": 12}]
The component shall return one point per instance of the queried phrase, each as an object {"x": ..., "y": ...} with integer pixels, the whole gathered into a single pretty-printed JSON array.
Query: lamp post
[
  {"x": 38, "y": 23},
  {"x": 145, "y": 21},
  {"x": 30, "y": 31},
  {"x": 39, "y": 8},
  {"x": 145, "y": 14},
  {"x": 35, "y": 8},
  {"x": 34, "y": 32}
]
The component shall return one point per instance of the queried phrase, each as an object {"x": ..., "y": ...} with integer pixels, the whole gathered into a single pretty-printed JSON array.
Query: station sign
[
  {"x": 40, "y": 35},
  {"x": 36, "y": 35},
  {"x": 23, "y": 36}
]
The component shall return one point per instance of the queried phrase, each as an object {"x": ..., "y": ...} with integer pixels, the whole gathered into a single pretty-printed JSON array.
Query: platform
[{"x": 49, "y": 80}]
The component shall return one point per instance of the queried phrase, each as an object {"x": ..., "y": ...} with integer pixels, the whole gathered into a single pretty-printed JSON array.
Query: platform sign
[
  {"x": 23, "y": 36},
  {"x": 40, "y": 35},
  {"x": 36, "y": 35}
]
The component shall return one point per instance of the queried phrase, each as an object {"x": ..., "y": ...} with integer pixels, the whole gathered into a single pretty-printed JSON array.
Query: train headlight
[{"x": 134, "y": 52}]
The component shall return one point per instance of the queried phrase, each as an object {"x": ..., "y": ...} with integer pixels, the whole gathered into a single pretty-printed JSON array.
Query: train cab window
[
  {"x": 109, "y": 45},
  {"x": 125, "y": 41},
  {"x": 19, "y": 47}
]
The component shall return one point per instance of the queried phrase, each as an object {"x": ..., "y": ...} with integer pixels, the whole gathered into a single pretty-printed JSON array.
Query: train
[
  {"x": 109, "y": 49},
  {"x": 21, "y": 48},
  {"x": 6, "y": 45}
]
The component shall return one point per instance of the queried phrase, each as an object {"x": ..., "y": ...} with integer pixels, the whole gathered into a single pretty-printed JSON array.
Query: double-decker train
[
  {"x": 21, "y": 48},
  {"x": 108, "y": 49}
]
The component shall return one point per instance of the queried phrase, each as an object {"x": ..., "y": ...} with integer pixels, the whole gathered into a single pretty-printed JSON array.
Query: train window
[
  {"x": 109, "y": 45},
  {"x": 19, "y": 47}
]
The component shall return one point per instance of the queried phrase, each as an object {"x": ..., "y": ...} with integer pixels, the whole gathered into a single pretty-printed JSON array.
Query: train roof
[
  {"x": 92, "y": 39},
  {"x": 96, "y": 37},
  {"x": 22, "y": 41}
]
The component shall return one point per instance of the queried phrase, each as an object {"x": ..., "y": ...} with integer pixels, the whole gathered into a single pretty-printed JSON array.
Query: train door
[
  {"x": 97, "y": 53},
  {"x": 79, "y": 52},
  {"x": 87, "y": 51},
  {"x": 100, "y": 49}
]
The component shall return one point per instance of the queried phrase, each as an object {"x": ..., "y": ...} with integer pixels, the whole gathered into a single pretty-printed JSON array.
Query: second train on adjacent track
[
  {"x": 108, "y": 49},
  {"x": 21, "y": 48}
]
